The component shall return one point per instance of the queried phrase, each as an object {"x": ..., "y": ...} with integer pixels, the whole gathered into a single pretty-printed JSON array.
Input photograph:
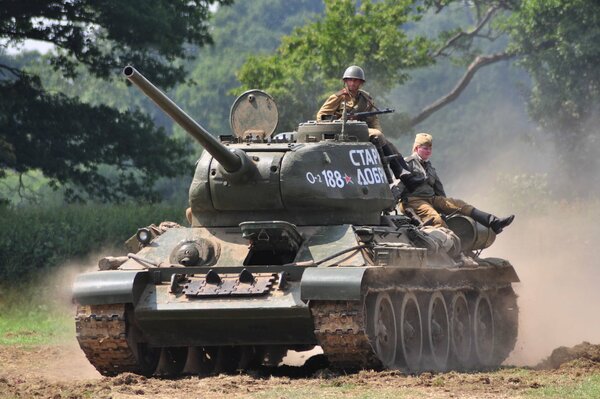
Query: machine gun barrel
[
  {"x": 364, "y": 115},
  {"x": 230, "y": 161}
]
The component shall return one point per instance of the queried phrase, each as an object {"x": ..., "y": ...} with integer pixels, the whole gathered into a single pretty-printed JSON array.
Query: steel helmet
[{"x": 354, "y": 72}]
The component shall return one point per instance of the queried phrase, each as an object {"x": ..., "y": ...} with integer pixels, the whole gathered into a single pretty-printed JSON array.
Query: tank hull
[{"x": 337, "y": 308}]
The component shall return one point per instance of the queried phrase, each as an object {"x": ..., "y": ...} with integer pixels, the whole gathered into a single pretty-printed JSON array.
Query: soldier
[
  {"x": 358, "y": 100},
  {"x": 429, "y": 198}
]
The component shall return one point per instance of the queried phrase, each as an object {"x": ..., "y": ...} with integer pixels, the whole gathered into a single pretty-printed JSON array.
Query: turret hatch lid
[{"x": 254, "y": 113}]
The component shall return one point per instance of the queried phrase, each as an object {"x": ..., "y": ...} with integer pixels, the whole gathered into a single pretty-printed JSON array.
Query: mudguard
[
  {"x": 332, "y": 283},
  {"x": 107, "y": 287}
]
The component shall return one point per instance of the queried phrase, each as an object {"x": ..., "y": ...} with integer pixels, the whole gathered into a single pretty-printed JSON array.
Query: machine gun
[{"x": 361, "y": 116}]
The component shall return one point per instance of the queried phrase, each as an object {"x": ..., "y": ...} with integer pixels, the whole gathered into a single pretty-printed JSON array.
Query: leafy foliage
[
  {"x": 309, "y": 63},
  {"x": 41, "y": 239},
  {"x": 242, "y": 30},
  {"x": 73, "y": 142},
  {"x": 560, "y": 44}
]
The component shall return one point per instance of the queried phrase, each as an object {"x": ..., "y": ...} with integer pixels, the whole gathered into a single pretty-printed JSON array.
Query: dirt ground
[{"x": 64, "y": 372}]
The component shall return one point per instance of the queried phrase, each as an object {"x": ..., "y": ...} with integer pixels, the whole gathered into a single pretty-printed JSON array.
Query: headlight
[{"x": 144, "y": 236}]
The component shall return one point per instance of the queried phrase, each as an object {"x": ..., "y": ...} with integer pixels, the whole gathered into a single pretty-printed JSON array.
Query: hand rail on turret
[{"x": 230, "y": 161}]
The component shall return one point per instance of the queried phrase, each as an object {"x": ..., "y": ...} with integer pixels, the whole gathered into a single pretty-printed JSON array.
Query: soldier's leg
[
  {"x": 425, "y": 210},
  {"x": 488, "y": 220},
  {"x": 397, "y": 163},
  {"x": 451, "y": 206},
  {"x": 378, "y": 140}
]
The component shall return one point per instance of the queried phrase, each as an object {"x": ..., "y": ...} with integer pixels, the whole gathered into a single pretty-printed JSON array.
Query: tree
[
  {"x": 383, "y": 37},
  {"x": 72, "y": 142},
  {"x": 244, "y": 29},
  {"x": 556, "y": 41},
  {"x": 308, "y": 63},
  {"x": 560, "y": 46}
]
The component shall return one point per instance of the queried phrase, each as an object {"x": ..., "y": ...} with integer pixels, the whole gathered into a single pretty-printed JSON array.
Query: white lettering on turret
[
  {"x": 369, "y": 170},
  {"x": 354, "y": 162},
  {"x": 369, "y": 158},
  {"x": 375, "y": 156}
]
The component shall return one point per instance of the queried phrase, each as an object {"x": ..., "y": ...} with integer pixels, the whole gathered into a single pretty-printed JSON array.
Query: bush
[{"x": 40, "y": 238}]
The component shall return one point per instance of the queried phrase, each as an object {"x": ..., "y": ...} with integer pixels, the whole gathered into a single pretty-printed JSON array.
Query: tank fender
[
  {"x": 332, "y": 283},
  {"x": 107, "y": 287}
]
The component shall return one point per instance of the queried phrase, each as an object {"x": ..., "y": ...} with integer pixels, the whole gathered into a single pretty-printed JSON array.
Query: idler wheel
[
  {"x": 411, "y": 332},
  {"x": 483, "y": 330},
  {"x": 384, "y": 330},
  {"x": 461, "y": 331},
  {"x": 438, "y": 331}
]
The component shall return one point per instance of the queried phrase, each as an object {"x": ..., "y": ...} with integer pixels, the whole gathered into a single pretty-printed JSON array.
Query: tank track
[
  {"x": 341, "y": 326},
  {"x": 102, "y": 334}
]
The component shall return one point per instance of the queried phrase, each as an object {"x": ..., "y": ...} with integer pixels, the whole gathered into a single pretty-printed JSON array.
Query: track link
[
  {"x": 340, "y": 328},
  {"x": 102, "y": 334}
]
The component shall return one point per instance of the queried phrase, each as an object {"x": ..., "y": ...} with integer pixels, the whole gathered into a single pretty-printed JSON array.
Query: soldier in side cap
[
  {"x": 358, "y": 100},
  {"x": 429, "y": 198}
]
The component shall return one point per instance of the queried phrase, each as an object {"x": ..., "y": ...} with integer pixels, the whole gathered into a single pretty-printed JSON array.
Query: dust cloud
[
  {"x": 60, "y": 282},
  {"x": 553, "y": 242}
]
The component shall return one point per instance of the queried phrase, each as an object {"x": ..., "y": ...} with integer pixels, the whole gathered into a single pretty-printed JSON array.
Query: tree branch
[
  {"x": 15, "y": 71},
  {"x": 479, "y": 62},
  {"x": 22, "y": 191},
  {"x": 482, "y": 22}
]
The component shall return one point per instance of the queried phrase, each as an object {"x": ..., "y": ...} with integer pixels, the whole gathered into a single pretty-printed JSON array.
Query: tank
[{"x": 294, "y": 243}]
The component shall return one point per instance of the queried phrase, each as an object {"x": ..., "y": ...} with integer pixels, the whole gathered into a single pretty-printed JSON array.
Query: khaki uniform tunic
[
  {"x": 363, "y": 102},
  {"x": 430, "y": 198}
]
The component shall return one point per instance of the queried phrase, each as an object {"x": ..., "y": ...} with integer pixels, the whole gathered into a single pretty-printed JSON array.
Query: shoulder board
[{"x": 341, "y": 93}]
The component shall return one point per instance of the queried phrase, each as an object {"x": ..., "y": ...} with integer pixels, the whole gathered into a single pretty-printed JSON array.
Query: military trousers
[{"x": 430, "y": 208}]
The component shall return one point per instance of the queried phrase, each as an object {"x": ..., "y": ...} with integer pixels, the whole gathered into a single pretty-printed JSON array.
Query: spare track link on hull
[
  {"x": 340, "y": 328},
  {"x": 102, "y": 334}
]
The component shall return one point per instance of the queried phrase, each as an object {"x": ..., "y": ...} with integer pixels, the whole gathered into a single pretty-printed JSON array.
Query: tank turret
[{"x": 317, "y": 180}]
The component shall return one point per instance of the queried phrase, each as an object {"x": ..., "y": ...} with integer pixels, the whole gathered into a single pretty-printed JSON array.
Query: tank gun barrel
[{"x": 230, "y": 161}]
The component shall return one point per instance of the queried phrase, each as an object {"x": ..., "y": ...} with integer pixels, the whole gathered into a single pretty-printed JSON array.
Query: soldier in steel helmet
[
  {"x": 429, "y": 198},
  {"x": 358, "y": 100}
]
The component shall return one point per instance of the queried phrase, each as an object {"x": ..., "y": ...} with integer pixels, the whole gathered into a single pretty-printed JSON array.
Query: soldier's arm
[
  {"x": 438, "y": 187},
  {"x": 330, "y": 107},
  {"x": 373, "y": 123}
]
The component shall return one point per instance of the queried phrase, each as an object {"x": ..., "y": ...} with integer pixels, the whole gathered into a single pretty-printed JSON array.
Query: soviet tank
[{"x": 295, "y": 243}]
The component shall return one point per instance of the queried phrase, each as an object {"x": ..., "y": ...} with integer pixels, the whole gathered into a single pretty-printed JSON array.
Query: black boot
[
  {"x": 379, "y": 146},
  {"x": 397, "y": 163},
  {"x": 491, "y": 221}
]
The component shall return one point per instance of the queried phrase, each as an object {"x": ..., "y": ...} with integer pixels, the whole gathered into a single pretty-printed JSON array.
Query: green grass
[
  {"x": 326, "y": 391},
  {"x": 588, "y": 387},
  {"x": 34, "y": 314}
]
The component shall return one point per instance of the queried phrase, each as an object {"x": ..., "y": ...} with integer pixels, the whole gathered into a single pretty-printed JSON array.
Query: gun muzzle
[{"x": 230, "y": 161}]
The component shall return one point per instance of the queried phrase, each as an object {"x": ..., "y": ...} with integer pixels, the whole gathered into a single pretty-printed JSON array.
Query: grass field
[{"x": 33, "y": 314}]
